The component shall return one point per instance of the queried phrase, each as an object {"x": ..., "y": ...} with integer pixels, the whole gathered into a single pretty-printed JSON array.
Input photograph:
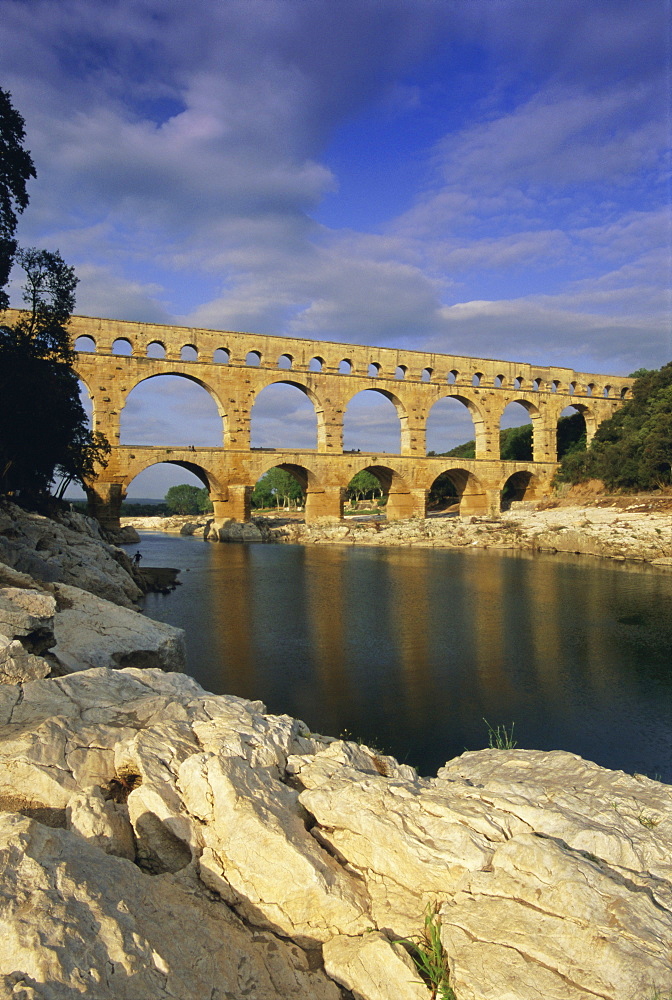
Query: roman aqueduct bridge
[{"x": 235, "y": 367}]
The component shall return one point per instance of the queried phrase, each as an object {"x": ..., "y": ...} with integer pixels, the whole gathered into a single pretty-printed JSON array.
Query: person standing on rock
[{"x": 136, "y": 558}]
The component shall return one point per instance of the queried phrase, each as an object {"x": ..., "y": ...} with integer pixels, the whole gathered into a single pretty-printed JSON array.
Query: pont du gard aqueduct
[{"x": 235, "y": 367}]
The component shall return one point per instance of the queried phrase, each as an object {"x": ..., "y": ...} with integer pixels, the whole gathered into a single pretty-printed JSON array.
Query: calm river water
[{"x": 411, "y": 649}]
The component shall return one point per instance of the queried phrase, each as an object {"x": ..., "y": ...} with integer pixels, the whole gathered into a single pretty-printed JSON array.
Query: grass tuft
[
  {"x": 500, "y": 738},
  {"x": 430, "y": 959}
]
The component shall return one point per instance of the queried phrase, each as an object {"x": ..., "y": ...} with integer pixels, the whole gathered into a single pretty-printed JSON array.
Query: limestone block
[
  {"x": 77, "y": 922},
  {"x": 92, "y": 632},
  {"x": 18, "y": 665},
  {"x": 549, "y": 922},
  {"x": 241, "y": 729},
  {"x": 27, "y": 614},
  {"x": 101, "y": 822},
  {"x": 372, "y": 968},
  {"x": 259, "y": 854},
  {"x": 325, "y": 761},
  {"x": 625, "y": 820},
  {"x": 70, "y": 551},
  {"x": 412, "y": 844}
]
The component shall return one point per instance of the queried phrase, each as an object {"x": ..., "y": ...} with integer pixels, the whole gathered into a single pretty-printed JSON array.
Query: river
[{"x": 410, "y": 650}]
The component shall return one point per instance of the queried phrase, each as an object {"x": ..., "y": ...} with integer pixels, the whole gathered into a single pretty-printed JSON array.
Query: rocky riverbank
[
  {"x": 158, "y": 842},
  {"x": 623, "y": 533}
]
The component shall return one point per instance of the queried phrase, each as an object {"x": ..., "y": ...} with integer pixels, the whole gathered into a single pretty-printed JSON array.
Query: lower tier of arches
[{"x": 411, "y": 487}]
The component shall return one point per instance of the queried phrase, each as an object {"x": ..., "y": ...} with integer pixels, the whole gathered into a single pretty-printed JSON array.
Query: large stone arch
[
  {"x": 475, "y": 412},
  {"x": 520, "y": 485},
  {"x": 402, "y": 500},
  {"x": 588, "y": 413},
  {"x": 402, "y": 412},
  {"x": 470, "y": 490},
  {"x": 535, "y": 416},
  {"x": 106, "y": 497},
  {"x": 188, "y": 377},
  {"x": 323, "y": 502},
  {"x": 308, "y": 391}
]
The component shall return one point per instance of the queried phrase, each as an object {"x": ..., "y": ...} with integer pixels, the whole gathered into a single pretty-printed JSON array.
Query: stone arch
[
  {"x": 426, "y": 374},
  {"x": 221, "y": 356},
  {"x": 345, "y": 366},
  {"x": 316, "y": 364},
  {"x": 119, "y": 346},
  {"x": 189, "y": 352},
  {"x": 373, "y": 371},
  {"x": 469, "y": 490},
  {"x": 156, "y": 349},
  {"x": 402, "y": 416},
  {"x": 286, "y": 361},
  {"x": 477, "y": 422},
  {"x": 400, "y": 501},
  {"x": 86, "y": 344},
  {"x": 400, "y": 372},
  {"x": 588, "y": 414},
  {"x": 534, "y": 414},
  {"x": 253, "y": 359},
  {"x": 312, "y": 488},
  {"x": 174, "y": 374},
  {"x": 105, "y": 498},
  {"x": 318, "y": 408},
  {"x": 522, "y": 485}
]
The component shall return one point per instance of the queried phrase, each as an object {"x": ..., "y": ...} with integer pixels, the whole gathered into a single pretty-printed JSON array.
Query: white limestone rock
[
  {"x": 18, "y": 665},
  {"x": 77, "y": 922},
  {"x": 92, "y": 632},
  {"x": 372, "y": 968},
  {"x": 547, "y": 921},
  {"x": 70, "y": 550},
  {"x": 27, "y": 614},
  {"x": 102, "y": 822},
  {"x": 259, "y": 855}
]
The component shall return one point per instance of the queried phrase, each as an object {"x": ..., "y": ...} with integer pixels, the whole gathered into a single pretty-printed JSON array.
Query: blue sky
[{"x": 486, "y": 177}]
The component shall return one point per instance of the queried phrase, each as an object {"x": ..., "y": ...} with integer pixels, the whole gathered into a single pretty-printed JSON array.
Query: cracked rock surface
[{"x": 159, "y": 842}]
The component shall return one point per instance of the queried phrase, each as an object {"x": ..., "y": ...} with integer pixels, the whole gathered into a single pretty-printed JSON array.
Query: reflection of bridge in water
[{"x": 235, "y": 367}]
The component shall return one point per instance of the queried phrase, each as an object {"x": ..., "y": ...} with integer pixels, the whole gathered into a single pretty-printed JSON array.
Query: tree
[
  {"x": 44, "y": 430},
  {"x": 188, "y": 499},
  {"x": 363, "y": 486},
  {"x": 277, "y": 488},
  {"x": 16, "y": 167}
]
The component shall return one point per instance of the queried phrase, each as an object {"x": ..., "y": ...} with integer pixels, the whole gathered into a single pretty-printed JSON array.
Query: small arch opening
[
  {"x": 452, "y": 376},
  {"x": 253, "y": 359},
  {"x": 345, "y": 367},
  {"x": 538, "y": 384},
  {"x": 625, "y": 392},
  {"x": 555, "y": 385},
  {"x": 285, "y": 361},
  {"x": 498, "y": 382},
  {"x": 221, "y": 356},
  {"x": 189, "y": 353},
  {"x": 86, "y": 345},
  {"x": 123, "y": 347},
  {"x": 156, "y": 350},
  {"x": 607, "y": 391},
  {"x": 476, "y": 380},
  {"x": 316, "y": 364},
  {"x": 426, "y": 374},
  {"x": 400, "y": 371},
  {"x": 373, "y": 370}
]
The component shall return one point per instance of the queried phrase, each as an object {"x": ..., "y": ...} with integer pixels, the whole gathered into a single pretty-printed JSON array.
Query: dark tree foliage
[
  {"x": 633, "y": 449},
  {"x": 16, "y": 167},
  {"x": 44, "y": 431}
]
